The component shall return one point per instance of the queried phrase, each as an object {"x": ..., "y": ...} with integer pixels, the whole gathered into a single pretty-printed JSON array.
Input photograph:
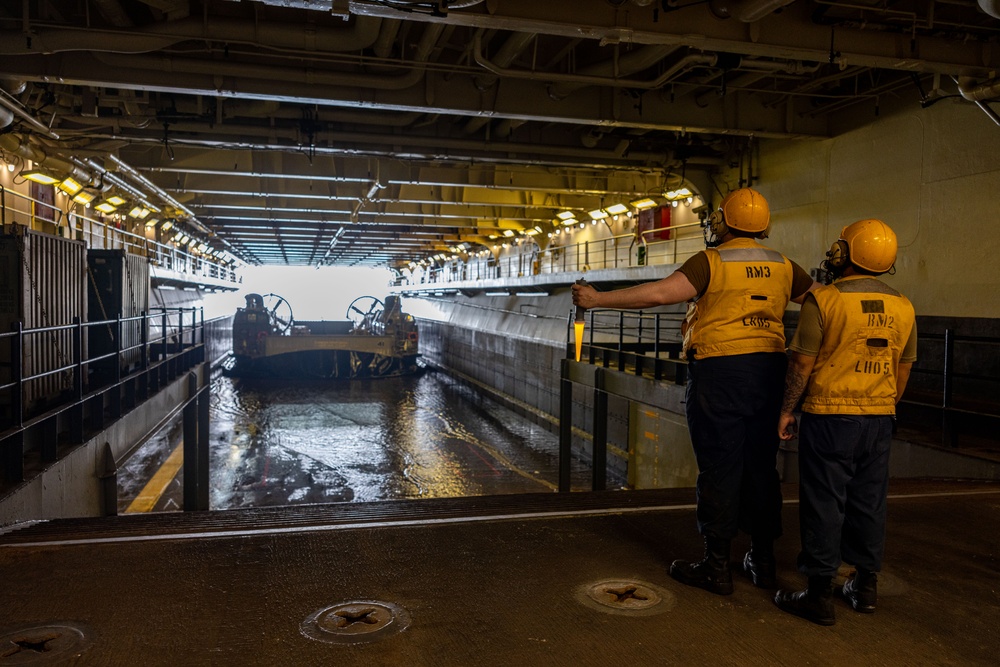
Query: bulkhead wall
[{"x": 512, "y": 348}]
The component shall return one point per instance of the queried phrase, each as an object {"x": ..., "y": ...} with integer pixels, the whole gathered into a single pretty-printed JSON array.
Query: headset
[
  {"x": 838, "y": 256},
  {"x": 715, "y": 227}
]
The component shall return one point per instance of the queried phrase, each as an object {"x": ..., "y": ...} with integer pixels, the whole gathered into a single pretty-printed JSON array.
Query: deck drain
[
  {"x": 625, "y": 596},
  {"x": 355, "y": 622},
  {"x": 40, "y": 644}
]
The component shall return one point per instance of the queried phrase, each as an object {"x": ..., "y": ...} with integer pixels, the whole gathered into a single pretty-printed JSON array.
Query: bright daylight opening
[{"x": 314, "y": 294}]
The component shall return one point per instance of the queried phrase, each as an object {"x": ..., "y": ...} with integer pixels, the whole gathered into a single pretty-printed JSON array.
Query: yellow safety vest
[
  {"x": 740, "y": 312},
  {"x": 866, "y": 325}
]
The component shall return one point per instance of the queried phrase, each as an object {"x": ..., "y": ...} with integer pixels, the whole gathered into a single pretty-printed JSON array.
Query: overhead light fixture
[
  {"x": 167, "y": 225},
  {"x": 70, "y": 186},
  {"x": 83, "y": 197},
  {"x": 115, "y": 200},
  {"x": 569, "y": 221},
  {"x": 616, "y": 209},
  {"x": 565, "y": 215},
  {"x": 139, "y": 212},
  {"x": 105, "y": 207},
  {"x": 508, "y": 232},
  {"x": 677, "y": 195},
  {"x": 152, "y": 223},
  {"x": 532, "y": 232},
  {"x": 39, "y": 176},
  {"x": 598, "y": 214},
  {"x": 644, "y": 203},
  {"x": 10, "y": 166}
]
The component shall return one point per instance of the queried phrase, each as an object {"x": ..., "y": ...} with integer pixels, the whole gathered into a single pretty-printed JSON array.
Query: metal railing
[
  {"x": 634, "y": 342},
  {"x": 613, "y": 252},
  {"x": 938, "y": 363},
  {"x": 16, "y": 207},
  {"x": 97, "y": 388},
  {"x": 649, "y": 345}
]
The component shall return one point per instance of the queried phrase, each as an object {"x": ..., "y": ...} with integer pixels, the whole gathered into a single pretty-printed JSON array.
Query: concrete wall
[{"x": 932, "y": 174}]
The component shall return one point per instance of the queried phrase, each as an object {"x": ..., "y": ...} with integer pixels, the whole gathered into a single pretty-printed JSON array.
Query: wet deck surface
[
  {"x": 297, "y": 442},
  {"x": 498, "y": 580}
]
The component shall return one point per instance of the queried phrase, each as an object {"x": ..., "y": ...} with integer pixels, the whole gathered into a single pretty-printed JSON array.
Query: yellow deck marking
[{"x": 151, "y": 493}]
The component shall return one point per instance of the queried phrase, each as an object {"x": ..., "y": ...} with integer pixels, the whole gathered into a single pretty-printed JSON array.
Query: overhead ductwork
[
  {"x": 627, "y": 65},
  {"x": 978, "y": 92},
  {"x": 360, "y": 35},
  {"x": 280, "y": 74},
  {"x": 755, "y": 10}
]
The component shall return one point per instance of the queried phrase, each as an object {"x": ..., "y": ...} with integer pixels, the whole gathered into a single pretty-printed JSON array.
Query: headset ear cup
[
  {"x": 717, "y": 224},
  {"x": 839, "y": 254}
]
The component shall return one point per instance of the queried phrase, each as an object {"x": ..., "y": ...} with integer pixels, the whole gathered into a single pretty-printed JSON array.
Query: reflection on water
[{"x": 285, "y": 442}]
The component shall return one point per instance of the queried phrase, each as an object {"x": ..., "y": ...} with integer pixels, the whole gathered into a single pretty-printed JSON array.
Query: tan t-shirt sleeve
[
  {"x": 801, "y": 280},
  {"x": 698, "y": 271},
  {"x": 809, "y": 334}
]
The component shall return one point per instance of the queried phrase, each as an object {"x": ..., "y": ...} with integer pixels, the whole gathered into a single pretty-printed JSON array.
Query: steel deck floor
[{"x": 501, "y": 580}]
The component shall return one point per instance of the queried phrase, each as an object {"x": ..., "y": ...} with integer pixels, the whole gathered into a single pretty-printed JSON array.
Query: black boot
[
  {"x": 813, "y": 604},
  {"x": 758, "y": 564},
  {"x": 861, "y": 591},
  {"x": 711, "y": 573}
]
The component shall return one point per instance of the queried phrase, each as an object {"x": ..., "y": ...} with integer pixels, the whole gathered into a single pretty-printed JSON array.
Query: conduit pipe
[
  {"x": 510, "y": 50},
  {"x": 361, "y": 35},
  {"x": 630, "y": 63},
  {"x": 978, "y": 92},
  {"x": 20, "y": 147},
  {"x": 708, "y": 59},
  {"x": 755, "y": 10},
  {"x": 135, "y": 175},
  {"x": 14, "y": 107},
  {"x": 216, "y": 68}
]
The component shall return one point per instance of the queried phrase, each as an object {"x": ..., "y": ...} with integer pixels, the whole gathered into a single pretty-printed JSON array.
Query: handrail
[
  {"x": 524, "y": 260},
  {"x": 108, "y": 237},
  {"x": 162, "y": 318}
]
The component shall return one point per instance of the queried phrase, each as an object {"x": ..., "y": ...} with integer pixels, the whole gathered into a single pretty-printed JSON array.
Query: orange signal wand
[{"x": 578, "y": 324}]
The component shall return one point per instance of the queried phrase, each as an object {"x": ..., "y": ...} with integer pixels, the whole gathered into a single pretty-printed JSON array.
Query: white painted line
[{"x": 420, "y": 522}]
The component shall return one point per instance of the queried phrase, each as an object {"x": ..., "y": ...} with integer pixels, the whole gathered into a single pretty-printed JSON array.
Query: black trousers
[
  {"x": 844, "y": 479},
  {"x": 733, "y": 404}
]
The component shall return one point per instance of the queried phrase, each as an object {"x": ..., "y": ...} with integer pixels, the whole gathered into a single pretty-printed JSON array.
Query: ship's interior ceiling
[{"x": 376, "y": 132}]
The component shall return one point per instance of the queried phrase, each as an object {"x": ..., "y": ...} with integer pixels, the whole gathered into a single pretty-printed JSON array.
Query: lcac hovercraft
[{"x": 376, "y": 340}]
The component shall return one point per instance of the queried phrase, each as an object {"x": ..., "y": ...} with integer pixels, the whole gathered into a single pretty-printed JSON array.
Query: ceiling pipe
[
  {"x": 632, "y": 62},
  {"x": 19, "y": 146},
  {"x": 587, "y": 80},
  {"x": 511, "y": 49},
  {"x": 15, "y": 107},
  {"x": 145, "y": 182},
  {"x": 215, "y": 69},
  {"x": 755, "y": 10},
  {"x": 386, "y": 37},
  {"x": 978, "y": 92},
  {"x": 154, "y": 37},
  {"x": 753, "y": 71}
]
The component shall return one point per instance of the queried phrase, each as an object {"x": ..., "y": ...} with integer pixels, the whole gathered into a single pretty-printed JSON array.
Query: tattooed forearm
[{"x": 795, "y": 385}]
